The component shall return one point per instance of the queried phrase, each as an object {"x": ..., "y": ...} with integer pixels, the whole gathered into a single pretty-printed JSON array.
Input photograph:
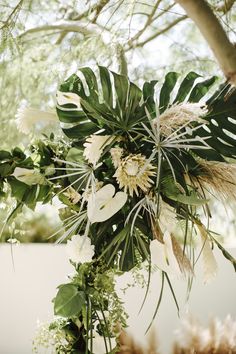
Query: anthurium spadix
[
  {"x": 104, "y": 203},
  {"x": 68, "y": 98}
]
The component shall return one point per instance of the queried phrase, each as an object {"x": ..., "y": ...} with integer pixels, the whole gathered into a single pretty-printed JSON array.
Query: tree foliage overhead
[{"x": 43, "y": 42}]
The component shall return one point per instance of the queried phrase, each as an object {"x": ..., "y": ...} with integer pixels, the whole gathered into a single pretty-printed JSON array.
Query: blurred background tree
[{"x": 42, "y": 42}]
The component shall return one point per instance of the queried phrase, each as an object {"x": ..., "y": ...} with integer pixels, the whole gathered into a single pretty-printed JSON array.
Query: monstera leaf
[
  {"x": 109, "y": 101},
  {"x": 221, "y": 127}
]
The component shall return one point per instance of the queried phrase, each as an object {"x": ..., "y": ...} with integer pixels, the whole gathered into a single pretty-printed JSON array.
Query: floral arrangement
[{"x": 134, "y": 171}]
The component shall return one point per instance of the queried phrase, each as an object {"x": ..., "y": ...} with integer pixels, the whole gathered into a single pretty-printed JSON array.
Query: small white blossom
[{"x": 80, "y": 249}]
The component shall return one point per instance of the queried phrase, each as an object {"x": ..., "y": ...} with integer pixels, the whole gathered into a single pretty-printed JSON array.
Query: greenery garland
[{"x": 131, "y": 169}]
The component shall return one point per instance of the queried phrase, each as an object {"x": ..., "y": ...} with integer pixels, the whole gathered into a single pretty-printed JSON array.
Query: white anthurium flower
[
  {"x": 208, "y": 259},
  {"x": 68, "y": 98},
  {"x": 104, "y": 203},
  {"x": 167, "y": 218},
  {"x": 162, "y": 256},
  {"x": 28, "y": 176},
  {"x": 94, "y": 146},
  {"x": 80, "y": 249},
  {"x": 28, "y": 117}
]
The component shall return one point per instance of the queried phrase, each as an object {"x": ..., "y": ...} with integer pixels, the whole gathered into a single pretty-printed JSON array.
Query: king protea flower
[{"x": 133, "y": 172}]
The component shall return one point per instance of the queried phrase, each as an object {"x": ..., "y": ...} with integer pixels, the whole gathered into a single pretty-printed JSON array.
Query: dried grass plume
[{"x": 218, "y": 338}]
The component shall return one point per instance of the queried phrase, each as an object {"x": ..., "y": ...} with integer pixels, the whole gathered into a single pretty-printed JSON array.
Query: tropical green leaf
[
  {"x": 168, "y": 86},
  {"x": 113, "y": 107},
  {"x": 185, "y": 87},
  {"x": 174, "y": 192},
  {"x": 189, "y": 199},
  {"x": 148, "y": 97},
  {"x": 127, "y": 259},
  {"x": 68, "y": 301},
  {"x": 201, "y": 89},
  {"x": 221, "y": 125}
]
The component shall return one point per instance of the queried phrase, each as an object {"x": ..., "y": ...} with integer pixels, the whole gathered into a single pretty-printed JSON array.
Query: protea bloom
[{"x": 133, "y": 172}]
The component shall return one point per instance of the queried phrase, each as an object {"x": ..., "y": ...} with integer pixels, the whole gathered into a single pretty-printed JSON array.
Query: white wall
[{"x": 26, "y": 293}]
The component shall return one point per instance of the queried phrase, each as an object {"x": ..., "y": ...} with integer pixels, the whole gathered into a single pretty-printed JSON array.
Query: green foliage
[
  {"x": 69, "y": 301},
  {"x": 98, "y": 105},
  {"x": 152, "y": 171}
]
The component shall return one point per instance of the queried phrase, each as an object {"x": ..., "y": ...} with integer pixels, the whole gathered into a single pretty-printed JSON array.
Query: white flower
[
  {"x": 167, "y": 218},
  {"x": 28, "y": 176},
  {"x": 208, "y": 258},
  {"x": 68, "y": 97},
  {"x": 103, "y": 204},
  {"x": 94, "y": 146},
  {"x": 163, "y": 257},
  {"x": 79, "y": 249},
  {"x": 27, "y": 118},
  {"x": 133, "y": 172}
]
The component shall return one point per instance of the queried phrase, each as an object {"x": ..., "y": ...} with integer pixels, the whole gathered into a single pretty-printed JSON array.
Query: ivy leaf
[
  {"x": 5, "y": 155},
  {"x": 68, "y": 301},
  {"x": 6, "y": 169},
  {"x": 18, "y": 153},
  {"x": 18, "y": 188}
]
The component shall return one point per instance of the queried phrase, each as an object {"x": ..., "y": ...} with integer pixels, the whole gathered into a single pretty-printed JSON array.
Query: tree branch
[
  {"x": 148, "y": 22},
  {"x": 211, "y": 29},
  {"x": 123, "y": 66},
  {"x": 225, "y": 6},
  {"x": 95, "y": 8},
  {"x": 165, "y": 29},
  {"x": 12, "y": 15},
  {"x": 66, "y": 27}
]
